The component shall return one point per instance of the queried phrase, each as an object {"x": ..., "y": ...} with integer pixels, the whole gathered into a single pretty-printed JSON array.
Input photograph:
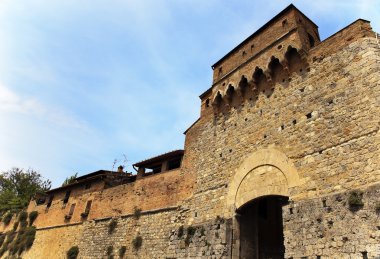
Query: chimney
[{"x": 120, "y": 169}]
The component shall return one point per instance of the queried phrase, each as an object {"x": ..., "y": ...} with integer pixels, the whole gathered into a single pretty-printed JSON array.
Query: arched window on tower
[{"x": 311, "y": 40}]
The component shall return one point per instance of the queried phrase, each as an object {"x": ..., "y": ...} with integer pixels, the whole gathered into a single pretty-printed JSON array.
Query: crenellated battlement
[{"x": 262, "y": 80}]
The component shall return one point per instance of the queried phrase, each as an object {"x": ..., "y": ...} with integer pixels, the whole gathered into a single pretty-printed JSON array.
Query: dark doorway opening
[{"x": 261, "y": 228}]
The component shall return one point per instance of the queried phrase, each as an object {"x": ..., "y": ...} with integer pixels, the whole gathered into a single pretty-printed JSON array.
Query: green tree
[
  {"x": 70, "y": 179},
  {"x": 18, "y": 186}
]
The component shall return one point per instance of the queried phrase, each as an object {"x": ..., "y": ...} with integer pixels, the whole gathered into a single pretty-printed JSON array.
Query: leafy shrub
[
  {"x": 7, "y": 218},
  {"x": 32, "y": 217},
  {"x": 73, "y": 252},
  {"x": 15, "y": 226},
  {"x": 112, "y": 225},
  {"x": 28, "y": 237},
  {"x": 2, "y": 239},
  {"x": 110, "y": 252},
  {"x": 180, "y": 232},
  {"x": 187, "y": 240},
  {"x": 377, "y": 207},
  {"x": 203, "y": 231},
  {"x": 23, "y": 216},
  {"x": 2, "y": 251},
  {"x": 355, "y": 199},
  {"x": 23, "y": 224},
  {"x": 137, "y": 213},
  {"x": 191, "y": 231},
  {"x": 10, "y": 236},
  {"x": 122, "y": 251},
  {"x": 137, "y": 242}
]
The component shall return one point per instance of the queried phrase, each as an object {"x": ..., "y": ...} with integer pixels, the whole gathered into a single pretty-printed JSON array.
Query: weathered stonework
[{"x": 288, "y": 130}]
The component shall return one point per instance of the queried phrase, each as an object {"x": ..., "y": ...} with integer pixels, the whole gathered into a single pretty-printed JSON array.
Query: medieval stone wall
[
  {"x": 329, "y": 227},
  {"x": 323, "y": 119},
  {"x": 307, "y": 128},
  {"x": 148, "y": 193}
]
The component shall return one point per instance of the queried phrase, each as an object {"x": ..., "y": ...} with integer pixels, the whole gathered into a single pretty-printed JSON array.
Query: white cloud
[{"x": 10, "y": 102}]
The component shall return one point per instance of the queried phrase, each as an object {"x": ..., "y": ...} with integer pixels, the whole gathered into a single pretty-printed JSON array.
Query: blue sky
[{"x": 84, "y": 82}]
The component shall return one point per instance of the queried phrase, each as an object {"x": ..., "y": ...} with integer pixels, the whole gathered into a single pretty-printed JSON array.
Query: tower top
[{"x": 290, "y": 25}]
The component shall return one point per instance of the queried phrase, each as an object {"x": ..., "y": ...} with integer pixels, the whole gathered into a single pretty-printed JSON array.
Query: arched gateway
[{"x": 257, "y": 192}]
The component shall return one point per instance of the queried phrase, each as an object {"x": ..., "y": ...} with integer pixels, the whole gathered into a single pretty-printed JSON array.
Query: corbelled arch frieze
[{"x": 264, "y": 77}]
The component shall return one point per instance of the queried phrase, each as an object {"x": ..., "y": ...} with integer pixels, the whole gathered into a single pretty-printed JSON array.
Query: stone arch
[
  {"x": 276, "y": 70},
  {"x": 217, "y": 100},
  {"x": 270, "y": 161},
  {"x": 258, "y": 75},
  {"x": 261, "y": 82},
  {"x": 230, "y": 91},
  {"x": 243, "y": 84},
  {"x": 294, "y": 60}
]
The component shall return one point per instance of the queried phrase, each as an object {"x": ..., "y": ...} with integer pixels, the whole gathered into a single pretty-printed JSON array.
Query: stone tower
[{"x": 284, "y": 162}]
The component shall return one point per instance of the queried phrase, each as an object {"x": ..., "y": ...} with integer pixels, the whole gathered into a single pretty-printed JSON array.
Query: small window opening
[
  {"x": 87, "y": 186},
  {"x": 71, "y": 212},
  {"x": 284, "y": 22},
  {"x": 365, "y": 255},
  {"x": 157, "y": 169},
  {"x": 294, "y": 122},
  {"x": 290, "y": 210},
  {"x": 282, "y": 127},
  {"x": 302, "y": 90},
  {"x": 318, "y": 257},
  {"x": 207, "y": 103},
  {"x": 311, "y": 40},
  {"x": 309, "y": 115},
  {"x": 175, "y": 163},
  {"x": 66, "y": 198},
  {"x": 48, "y": 205},
  {"x": 220, "y": 71},
  {"x": 40, "y": 201},
  {"x": 72, "y": 208},
  {"x": 243, "y": 53},
  {"x": 279, "y": 47},
  {"x": 87, "y": 210},
  {"x": 252, "y": 46}
]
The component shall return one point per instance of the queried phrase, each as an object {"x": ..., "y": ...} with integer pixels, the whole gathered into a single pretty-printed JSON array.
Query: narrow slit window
[
  {"x": 87, "y": 210},
  {"x": 220, "y": 71},
  {"x": 207, "y": 103},
  {"x": 88, "y": 207},
  {"x": 66, "y": 198},
  {"x": 72, "y": 208},
  {"x": 50, "y": 201}
]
